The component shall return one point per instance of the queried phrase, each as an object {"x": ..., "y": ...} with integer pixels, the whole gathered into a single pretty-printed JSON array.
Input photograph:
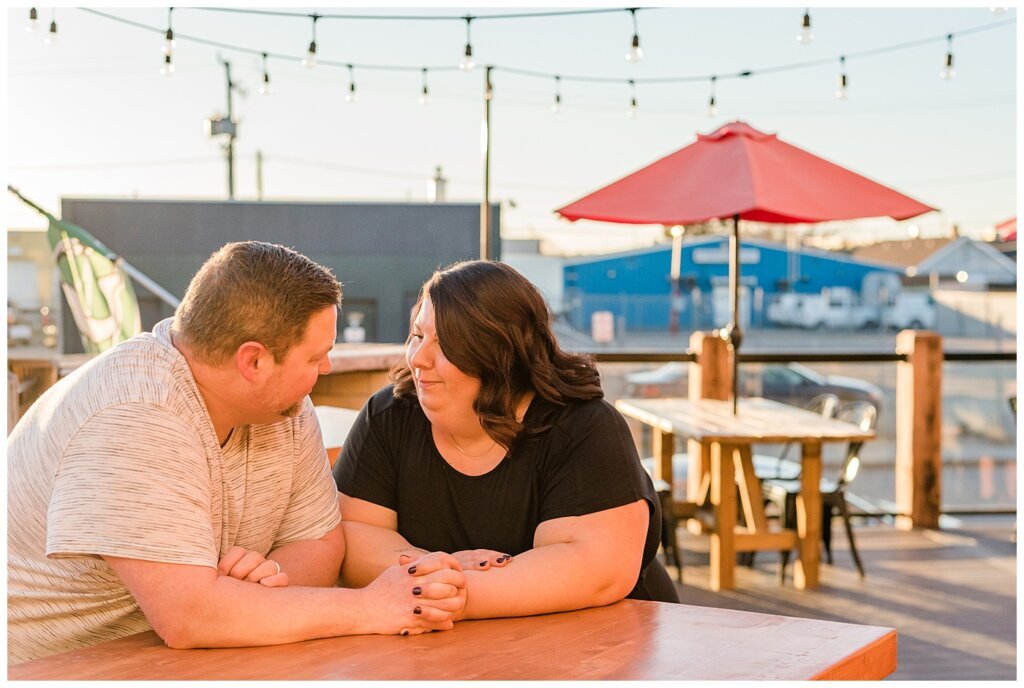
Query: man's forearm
[
  {"x": 370, "y": 550},
  {"x": 312, "y": 562},
  {"x": 233, "y": 613}
]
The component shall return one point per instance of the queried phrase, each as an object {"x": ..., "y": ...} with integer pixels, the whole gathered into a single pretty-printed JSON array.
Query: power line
[{"x": 123, "y": 164}]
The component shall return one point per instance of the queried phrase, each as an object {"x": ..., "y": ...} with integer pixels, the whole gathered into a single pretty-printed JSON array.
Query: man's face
[{"x": 293, "y": 378}]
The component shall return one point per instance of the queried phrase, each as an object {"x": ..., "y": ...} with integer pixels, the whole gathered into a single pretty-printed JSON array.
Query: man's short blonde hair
[{"x": 252, "y": 291}]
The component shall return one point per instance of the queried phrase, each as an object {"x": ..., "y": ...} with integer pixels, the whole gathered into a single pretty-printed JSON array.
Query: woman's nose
[{"x": 420, "y": 357}]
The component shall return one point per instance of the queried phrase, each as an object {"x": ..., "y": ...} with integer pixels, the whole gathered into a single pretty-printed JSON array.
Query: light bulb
[
  {"x": 309, "y": 61},
  {"x": 51, "y": 36},
  {"x": 467, "y": 63},
  {"x": 424, "y": 98},
  {"x": 841, "y": 87},
  {"x": 556, "y": 107},
  {"x": 947, "y": 72},
  {"x": 805, "y": 36},
  {"x": 169, "y": 43},
  {"x": 168, "y": 66},
  {"x": 265, "y": 86},
  {"x": 33, "y": 21},
  {"x": 632, "y": 111},
  {"x": 350, "y": 97},
  {"x": 636, "y": 53},
  {"x": 712, "y": 108}
]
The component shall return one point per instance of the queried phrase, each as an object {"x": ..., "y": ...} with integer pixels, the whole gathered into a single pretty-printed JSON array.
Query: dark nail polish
[
  {"x": 405, "y": 632},
  {"x": 412, "y": 570},
  {"x": 417, "y": 590},
  {"x": 417, "y": 610},
  {"x": 483, "y": 563}
]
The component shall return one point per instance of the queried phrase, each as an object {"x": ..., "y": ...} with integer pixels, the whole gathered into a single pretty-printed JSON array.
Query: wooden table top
[
  {"x": 758, "y": 420},
  {"x": 629, "y": 640}
]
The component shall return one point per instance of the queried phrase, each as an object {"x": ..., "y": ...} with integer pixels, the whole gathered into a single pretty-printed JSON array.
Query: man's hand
[
  {"x": 247, "y": 565},
  {"x": 419, "y": 597}
]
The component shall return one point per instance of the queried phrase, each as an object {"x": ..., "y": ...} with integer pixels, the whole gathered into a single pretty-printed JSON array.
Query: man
[{"x": 179, "y": 482}]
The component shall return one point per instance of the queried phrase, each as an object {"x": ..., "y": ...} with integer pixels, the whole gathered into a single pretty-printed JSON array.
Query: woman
[{"x": 496, "y": 446}]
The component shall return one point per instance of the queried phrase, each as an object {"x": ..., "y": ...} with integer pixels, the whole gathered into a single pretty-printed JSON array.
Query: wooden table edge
[{"x": 880, "y": 654}]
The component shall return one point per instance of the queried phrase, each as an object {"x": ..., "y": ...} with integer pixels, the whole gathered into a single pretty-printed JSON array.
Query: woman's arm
[
  {"x": 576, "y": 562},
  {"x": 372, "y": 542}
]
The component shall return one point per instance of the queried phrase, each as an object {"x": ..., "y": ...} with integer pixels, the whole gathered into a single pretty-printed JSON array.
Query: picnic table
[
  {"x": 726, "y": 440},
  {"x": 629, "y": 640}
]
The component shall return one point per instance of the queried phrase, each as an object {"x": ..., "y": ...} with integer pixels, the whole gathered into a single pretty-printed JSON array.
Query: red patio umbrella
[{"x": 742, "y": 173}]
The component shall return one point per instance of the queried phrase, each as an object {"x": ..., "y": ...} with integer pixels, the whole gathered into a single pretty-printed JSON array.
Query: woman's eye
[{"x": 416, "y": 335}]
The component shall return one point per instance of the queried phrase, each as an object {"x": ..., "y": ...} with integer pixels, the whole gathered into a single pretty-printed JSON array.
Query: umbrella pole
[{"x": 732, "y": 333}]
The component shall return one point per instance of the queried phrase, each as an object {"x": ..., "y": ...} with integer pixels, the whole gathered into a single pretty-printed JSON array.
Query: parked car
[{"x": 789, "y": 383}]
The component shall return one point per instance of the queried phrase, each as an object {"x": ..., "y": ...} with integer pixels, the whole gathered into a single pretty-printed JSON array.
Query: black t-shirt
[{"x": 582, "y": 461}]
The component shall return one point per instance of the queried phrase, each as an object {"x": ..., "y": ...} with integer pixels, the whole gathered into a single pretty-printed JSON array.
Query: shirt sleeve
[
  {"x": 134, "y": 482},
  {"x": 592, "y": 465},
  {"x": 313, "y": 503},
  {"x": 366, "y": 468}
]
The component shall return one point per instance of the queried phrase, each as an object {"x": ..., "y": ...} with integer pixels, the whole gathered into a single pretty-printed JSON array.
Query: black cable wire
[
  {"x": 577, "y": 78},
  {"x": 418, "y": 17}
]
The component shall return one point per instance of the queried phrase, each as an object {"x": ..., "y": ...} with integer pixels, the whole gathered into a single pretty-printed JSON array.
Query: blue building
[{"x": 636, "y": 285}]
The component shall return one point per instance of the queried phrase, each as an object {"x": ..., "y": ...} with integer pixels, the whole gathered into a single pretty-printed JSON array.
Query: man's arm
[
  {"x": 372, "y": 540},
  {"x": 312, "y": 562},
  {"x": 194, "y": 606}
]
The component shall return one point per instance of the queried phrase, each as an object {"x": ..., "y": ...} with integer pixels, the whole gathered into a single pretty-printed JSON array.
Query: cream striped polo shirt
[{"x": 121, "y": 459}]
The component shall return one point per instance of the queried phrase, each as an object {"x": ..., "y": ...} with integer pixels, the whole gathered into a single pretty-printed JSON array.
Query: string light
[
  {"x": 424, "y": 98},
  {"x": 636, "y": 53},
  {"x": 467, "y": 63},
  {"x": 167, "y": 68},
  {"x": 947, "y": 72},
  {"x": 805, "y": 36},
  {"x": 169, "y": 43},
  {"x": 712, "y": 106},
  {"x": 556, "y": 107},
  {"x": 33, "y": 21},
  {"x": 51, "y": 36},
  {"x": 632, "y": 111},
  {"x": 309, "y": 61},
  {"x": 841, "y": 79},
  {"x": 265, "y": 85},
  {"x": 350, "y": 97}
]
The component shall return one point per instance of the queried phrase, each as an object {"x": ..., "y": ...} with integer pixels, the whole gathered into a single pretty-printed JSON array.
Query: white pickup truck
[{"x": 841, "y": 308}]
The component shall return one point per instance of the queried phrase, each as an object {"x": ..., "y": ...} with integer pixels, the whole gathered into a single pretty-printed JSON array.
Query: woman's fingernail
[
  {"x": 483, "y": 563},
  {"x": 412, "y": 570},
  {"x": 417, "y": 591},
  {"x": 417, "y": 610},
  {"x": 405, "y": 631}
]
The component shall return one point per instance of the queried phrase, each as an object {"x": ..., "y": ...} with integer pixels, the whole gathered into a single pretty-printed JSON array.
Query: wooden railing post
[
  {"x": 919, "y": 430},
  {"x": 710, "y": 377}
]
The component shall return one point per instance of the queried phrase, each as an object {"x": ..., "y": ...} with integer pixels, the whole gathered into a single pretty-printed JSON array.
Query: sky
[{"x": 91, "y": 116}]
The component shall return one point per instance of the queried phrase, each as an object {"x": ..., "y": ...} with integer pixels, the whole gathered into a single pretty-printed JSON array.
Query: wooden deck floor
[{"x": 951, "y": 594}]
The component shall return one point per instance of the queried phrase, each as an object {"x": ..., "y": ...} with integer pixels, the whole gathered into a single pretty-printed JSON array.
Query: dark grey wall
[{"x": 381, "y": 252}]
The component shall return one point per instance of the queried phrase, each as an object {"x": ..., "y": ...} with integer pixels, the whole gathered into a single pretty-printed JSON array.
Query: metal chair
[
  {"x": 783, "y": 493},
  {"x": 779, "y": 467},
  {"x": 672, "y": 511}
]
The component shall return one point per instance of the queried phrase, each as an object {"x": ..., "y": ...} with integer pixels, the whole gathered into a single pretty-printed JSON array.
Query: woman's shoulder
[
  {"x": 576, "y": 412},
  {"x": 383, "y": 402}
]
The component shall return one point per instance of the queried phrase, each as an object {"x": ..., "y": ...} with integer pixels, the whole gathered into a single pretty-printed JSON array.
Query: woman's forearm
[
  {"x": 552, "y": 578},
  {"x": 369, "y": 550}
]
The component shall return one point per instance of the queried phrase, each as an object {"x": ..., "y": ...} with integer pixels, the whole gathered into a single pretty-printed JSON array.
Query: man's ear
[{"x": 252, "y": 360}]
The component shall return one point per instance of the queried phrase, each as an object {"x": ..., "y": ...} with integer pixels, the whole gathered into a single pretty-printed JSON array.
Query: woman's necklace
[{"x": 466, "y": 453}]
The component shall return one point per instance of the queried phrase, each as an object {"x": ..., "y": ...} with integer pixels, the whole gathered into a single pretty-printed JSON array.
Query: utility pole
[
  {"x": 259, "y": 174},
  {"x": 485, "y": 145},
  {"x": 231, "y": 136},
  {"x": 217, "y": 125}
]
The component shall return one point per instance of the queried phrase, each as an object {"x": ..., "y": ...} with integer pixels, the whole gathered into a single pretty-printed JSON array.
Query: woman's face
[{"x": 440, "y": 386}]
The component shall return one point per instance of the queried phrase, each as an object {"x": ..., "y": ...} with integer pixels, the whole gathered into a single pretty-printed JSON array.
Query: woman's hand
[
  {"x": 251, "y": 566},
  {"x": 481, "y": 559}
]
